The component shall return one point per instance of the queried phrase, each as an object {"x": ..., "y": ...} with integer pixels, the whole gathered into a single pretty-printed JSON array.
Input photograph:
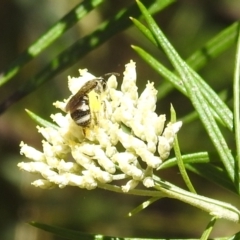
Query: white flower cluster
[{"x": 128, "y": 141}]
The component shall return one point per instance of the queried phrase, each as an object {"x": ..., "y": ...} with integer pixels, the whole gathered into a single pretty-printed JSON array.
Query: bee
[{"x": 86, "y": 101}]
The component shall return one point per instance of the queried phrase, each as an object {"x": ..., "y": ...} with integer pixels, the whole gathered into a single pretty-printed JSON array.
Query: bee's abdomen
[{"x": 82, "y": 115}]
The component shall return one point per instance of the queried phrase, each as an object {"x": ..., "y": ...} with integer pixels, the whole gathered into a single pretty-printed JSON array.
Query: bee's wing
[{"x": 74, "y": 102}]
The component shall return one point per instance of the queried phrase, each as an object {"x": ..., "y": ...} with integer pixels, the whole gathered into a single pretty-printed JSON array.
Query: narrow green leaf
[
  {"x": 194, "y": 93},
  {"x": 49, "y": 37},
  {"x": 208, "y": 229},
  {"x": 215, "y": 46},
  {"x": 236, "y": 111},
  {"x": 170, "y": 76},
  {"x": 178, "y": 155},
  {"x": 146, "y": 32},
  {"x": 40, "y": 120},
  {"x": 143, "y": 206},
  {"x": 201, "y": 157},
  {"x": 215, "y": 102}
]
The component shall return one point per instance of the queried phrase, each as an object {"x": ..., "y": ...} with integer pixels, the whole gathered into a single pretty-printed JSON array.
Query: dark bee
[{"x": 79, "y": 105}]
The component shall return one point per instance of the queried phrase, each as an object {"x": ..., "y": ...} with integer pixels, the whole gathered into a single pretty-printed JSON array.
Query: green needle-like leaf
[
  {"x": 201, "y": 157},
  {"x": 236, "y": 107},
  {"x": 40, "y": 120},
  {"x": 179, "y": 156},
  {"x": 195, "y": 95},
  {"x": 146, "y": 32},
  {"x": 143, "y": 206},
  {"x": 214, "y": 47},
  {"x": 208, "y": 229}
]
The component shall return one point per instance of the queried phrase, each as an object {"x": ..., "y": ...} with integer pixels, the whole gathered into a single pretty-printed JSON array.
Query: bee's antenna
[{"x": 111, "y": 73}]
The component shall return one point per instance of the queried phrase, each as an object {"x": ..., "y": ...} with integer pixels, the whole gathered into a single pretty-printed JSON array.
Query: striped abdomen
[{"x": 81, "y": 114}]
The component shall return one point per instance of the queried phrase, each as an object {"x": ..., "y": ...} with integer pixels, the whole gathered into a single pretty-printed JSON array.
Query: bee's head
[{"x": 102, "y": 82}]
